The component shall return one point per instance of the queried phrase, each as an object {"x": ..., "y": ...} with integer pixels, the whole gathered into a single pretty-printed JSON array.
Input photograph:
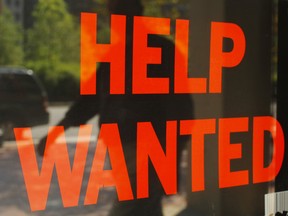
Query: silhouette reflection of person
[{"x": 128, "y": 109}]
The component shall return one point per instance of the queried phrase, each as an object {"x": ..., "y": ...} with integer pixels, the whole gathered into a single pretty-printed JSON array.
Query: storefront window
[{"x": 141, "y": 107}]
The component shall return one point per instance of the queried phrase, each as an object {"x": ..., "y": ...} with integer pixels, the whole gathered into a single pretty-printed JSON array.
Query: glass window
[{"x": 156, "y": 107}]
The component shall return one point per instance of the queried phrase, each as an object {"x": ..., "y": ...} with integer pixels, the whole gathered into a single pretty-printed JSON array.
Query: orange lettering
[
  {"x": 143, "y": 55},
  {"x": 38, "y": 183},
  {"x": 262, "y": 124},
  {"x": 165, "y": 165},
  {"x": 183, "y": 84},
  {"x": 92, "y": 53},
  {"x": 197, "y": 129},
  {"x": 220, "y": 59},
  {"x": 228, "y": 151},
  {"x": 108, "y": 140}
]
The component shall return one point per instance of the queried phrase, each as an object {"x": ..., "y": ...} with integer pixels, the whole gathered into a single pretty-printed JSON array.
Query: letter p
[{"x": 220, "y": 59}]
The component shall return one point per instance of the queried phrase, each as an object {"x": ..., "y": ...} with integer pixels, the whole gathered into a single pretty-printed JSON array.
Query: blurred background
[{"x": 43, "y": 35}]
